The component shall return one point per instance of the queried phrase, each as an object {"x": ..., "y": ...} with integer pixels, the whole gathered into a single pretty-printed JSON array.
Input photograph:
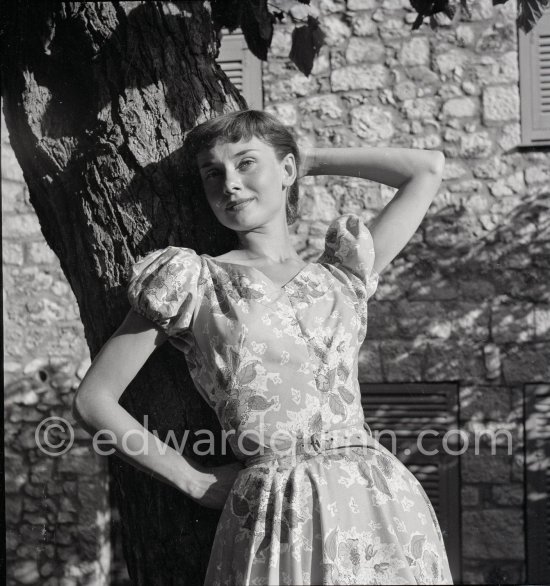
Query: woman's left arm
[{"x": 415, "y": 173}]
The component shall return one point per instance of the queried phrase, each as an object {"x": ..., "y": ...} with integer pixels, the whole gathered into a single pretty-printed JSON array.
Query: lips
[{"x": 238, "y": 204}]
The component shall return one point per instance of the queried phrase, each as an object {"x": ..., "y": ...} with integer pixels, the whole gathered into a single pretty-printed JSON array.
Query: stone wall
[
  {"x": 467, "y": 299},
  {"x": 57, "y": 510}
]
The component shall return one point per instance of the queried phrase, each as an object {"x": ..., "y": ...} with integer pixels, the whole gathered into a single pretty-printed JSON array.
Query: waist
[{"x": 317, "y": 443}]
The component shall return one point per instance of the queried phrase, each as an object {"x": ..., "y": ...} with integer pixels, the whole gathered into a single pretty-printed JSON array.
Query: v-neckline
[{"x": 273, "y": 284}]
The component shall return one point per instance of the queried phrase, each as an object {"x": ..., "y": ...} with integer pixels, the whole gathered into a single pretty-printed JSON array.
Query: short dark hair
[{"x": 237, "y": 126}]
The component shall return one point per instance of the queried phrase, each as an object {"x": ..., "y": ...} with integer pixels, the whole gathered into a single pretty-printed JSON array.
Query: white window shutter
[
  {"x": 534, "y": 65},
  {"x": 242, "y": 67}
]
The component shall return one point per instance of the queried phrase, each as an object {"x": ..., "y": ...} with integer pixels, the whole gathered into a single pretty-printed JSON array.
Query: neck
[{"x": 270, "y": 241}]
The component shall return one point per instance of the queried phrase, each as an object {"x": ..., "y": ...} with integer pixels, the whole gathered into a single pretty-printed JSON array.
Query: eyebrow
[{"x": 209, "y": 163}]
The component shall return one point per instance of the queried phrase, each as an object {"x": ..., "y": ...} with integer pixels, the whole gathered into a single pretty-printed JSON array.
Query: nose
[{"x": 232, "y": 182}]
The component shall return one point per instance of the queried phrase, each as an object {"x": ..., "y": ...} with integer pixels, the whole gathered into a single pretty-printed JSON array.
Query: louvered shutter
[
  {"x": 242, "y": 67},
  {"x": 406, "y": 410},
  {"x": 537, "y": 482},
  {"x": 534, "y": 66}
]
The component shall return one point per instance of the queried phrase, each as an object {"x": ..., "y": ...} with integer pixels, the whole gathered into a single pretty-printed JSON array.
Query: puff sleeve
[
  {"x": 163, "y": 287},
  {"x": 349, "y": 246}
]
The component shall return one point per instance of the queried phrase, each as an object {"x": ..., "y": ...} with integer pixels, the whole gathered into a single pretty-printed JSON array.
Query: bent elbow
[
  {"x": 77, "y": 408},
  {"x": 437, "y": 163}
]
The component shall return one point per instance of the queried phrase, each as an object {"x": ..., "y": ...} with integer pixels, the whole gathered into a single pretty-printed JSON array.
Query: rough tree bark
[{"x": 97, "y": 99}]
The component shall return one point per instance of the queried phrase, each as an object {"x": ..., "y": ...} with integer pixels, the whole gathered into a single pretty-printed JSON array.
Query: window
[
  {"x": 537, "y": 481},
  {"x": 242, "y": 67},
  {"x": 534, "y": 67},
  {"x": 407, "y": 409}
]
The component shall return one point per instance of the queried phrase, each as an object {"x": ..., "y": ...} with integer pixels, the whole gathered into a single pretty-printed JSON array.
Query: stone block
[
  {"x": 542, "y": 322},
  {"x": 280, "y": 43},
  {"x": 421, "y": 108},
  {"x": 362, "y": 50},
  {"x": 453, "y": 170},
  {"x": 20, "y": 226},
  {"x": 465, "y": 35},
  {"x": 363, "y": 25},
  {"x": 373, "y": 124},
  {"x": 494, "y": 469},
  {"x": 336, "y": 30},
  {"x": 415, "y": 51},
  {"x": 493, "y": 534},
  {"x": 509, "y": 136},
  {"x": 461, "y": 107},
  {"x": 527, "y": 362},
  {"x": 537, "y": 174},
  {"x": 12, "y": 195},
  {"x": 331, "y": 6},
  {"x": 362, "y": 4},
  {"x": 12, "y": 253},
  {"x": 392, "y": 29},
  {"x": 482, "y": 10},
  {"x": 469, "y": 496},
  {"x": 493, "y": 168},
  {"x": 442, "y": 362},
  {"x": 40, "y": 253},
  {"x": 25, "y": 572},
  {"x": 405, "y": 90},
  {"x": 401, "y": 362},
  {"x": 500, "y": 103},
  {"x": 354, "y": 77},
  {"x": 318, "y": 204},
  {"x": 285, "y": 113},
  {"x": 476, "y": 145},
  {"x": 10, "y": 167},
  {"x": 325, "y": 108},
  {"x": 512, "y": 321},
  {"x": 281, "y": 90},
  {"x": 448, "y": 61},
  {"x": 508, "y": 495}
]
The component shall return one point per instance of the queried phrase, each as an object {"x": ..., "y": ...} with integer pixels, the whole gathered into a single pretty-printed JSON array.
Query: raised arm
[{"x": 415, "y": 173}]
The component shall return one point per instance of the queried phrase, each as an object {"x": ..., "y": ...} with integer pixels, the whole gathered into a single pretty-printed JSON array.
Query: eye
[
  {"x": 246, "y": 162},
  {"x": 211, "y": 173}
]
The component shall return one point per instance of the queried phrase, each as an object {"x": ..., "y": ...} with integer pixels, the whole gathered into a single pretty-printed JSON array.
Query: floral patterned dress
[{"x": 274, "y": 360}]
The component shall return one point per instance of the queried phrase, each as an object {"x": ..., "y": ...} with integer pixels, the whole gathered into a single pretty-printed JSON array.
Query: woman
[{"x": 272, "y": 343}]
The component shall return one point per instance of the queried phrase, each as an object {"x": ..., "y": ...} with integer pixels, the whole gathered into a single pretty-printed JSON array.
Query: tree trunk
[{"x": 97, "y": 99}]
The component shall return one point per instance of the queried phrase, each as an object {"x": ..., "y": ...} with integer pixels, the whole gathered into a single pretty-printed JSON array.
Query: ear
[{"x": 290, "y": 172}]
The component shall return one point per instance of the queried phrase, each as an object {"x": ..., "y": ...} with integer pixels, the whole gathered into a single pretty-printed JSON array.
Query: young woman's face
[{"x": 244, "y": 182}]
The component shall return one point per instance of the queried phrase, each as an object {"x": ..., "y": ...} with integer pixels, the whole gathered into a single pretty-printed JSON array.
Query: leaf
[
  {"x": 347, "y": 395},
  {"x": 233, "y": 359},
  {"x": 226, "y": 13},
  {"x": 240, "y": 506},
  {"x": 249, "y": 293},
  {"x": 431, "y": 8},
  {"x": 343, "y": 370},
  {"x": 529, "y": 13},
  {"x": 364, "y": 468},
  {"x": 380, "y": 481},
  {"x": 336, "y": 405},
  {"x": 307, "y": 41},
  {"x": 331, "y": 545},
  {"x": 258, "y": 403},
  {"x": 246, "y": 374},
  {"x": 249, "y": 523},
  {"x": 316, "y": 422},
  {"x": 417, "y": 542},
  {"x": 257, "y": 26}
]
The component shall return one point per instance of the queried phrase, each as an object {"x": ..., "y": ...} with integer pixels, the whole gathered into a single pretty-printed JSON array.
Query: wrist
[{"x": 191, "y": 476}]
